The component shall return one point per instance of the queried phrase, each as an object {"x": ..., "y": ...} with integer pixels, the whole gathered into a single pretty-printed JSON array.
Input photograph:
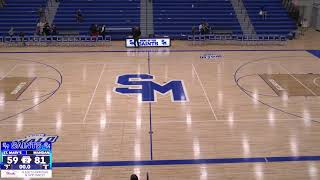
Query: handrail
[
  {"x": 260, "y": 37},
  {"x": 48, "y": 39}
]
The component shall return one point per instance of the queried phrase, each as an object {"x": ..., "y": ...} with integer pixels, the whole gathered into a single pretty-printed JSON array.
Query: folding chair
[
  {"x": 272, "y": 39},
  {"x": 54, "y": 40},
  {"x": 228, "y": 39},
  {"x": 211, "y": 37},
  {"x": 12, "y": 41},
  {"x": 35, "y": 41},
  {"x": 99, "y": 41},
  {"x": 255, "y": 40},
  {"x": 239, "y": 38},
  {"x": 245, "y": 39},
  {"x": 43, "y": 41},
  {"x": 218, "y": 37},
  {"x": 108, "y": 39},
  {"x": 283, "y": 40}
]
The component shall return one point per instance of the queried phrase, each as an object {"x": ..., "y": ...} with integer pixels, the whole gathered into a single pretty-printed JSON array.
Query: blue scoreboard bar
[{"x": 26, "y": 159}]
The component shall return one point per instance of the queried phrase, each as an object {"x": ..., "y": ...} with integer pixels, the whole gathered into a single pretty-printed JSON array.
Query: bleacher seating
[
  {"x": 278, "y": 20},
  {"x": 22, "y": 15},
  {"x": 176, "y": 17},
  {"x": 114, "y": 14},
  {"x": 171, "y": 17}
]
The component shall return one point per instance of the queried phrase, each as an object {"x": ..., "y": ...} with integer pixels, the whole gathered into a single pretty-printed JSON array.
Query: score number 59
[{"x": 15, "y": 159}]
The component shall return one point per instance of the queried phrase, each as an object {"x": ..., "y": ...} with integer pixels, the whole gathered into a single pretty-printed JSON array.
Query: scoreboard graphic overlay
[{"x": 26, "y": 159}]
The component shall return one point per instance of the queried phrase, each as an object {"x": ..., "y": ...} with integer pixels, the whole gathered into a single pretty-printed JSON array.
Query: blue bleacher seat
[
  {"x": 176, "y": 17},
  {"x": 112, "y": 13},
  {"x": 277, "y": 22},
  {"x": 21, "y": 15}
]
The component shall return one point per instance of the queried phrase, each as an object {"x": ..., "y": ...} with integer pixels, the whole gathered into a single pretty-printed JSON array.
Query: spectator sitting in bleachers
[
  {"x": 54, "y": 30},
  {"x": 94, "y": 30},
  {"x": 103, "y": 31},
  {"x": 46, "y": 29},
  {"x": 40, "y": 26},
  {"x": 263, "y": 13},
  {"x": 11, "y": 32},
  {"x": 204, "y": 28},
  {"x": 99, "y": 27},
  {"x": 79, "y": 16}
]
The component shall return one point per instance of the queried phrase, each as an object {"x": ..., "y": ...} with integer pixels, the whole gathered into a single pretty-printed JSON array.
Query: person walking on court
[{"x": 136, "y": 35}]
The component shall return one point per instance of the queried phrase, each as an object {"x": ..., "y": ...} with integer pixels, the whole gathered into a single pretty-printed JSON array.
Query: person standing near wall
[{"x": 136, "y": 33}]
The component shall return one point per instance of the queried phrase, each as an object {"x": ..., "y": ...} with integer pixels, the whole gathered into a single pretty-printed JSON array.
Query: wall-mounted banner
[{"x": 150, "y": 42}]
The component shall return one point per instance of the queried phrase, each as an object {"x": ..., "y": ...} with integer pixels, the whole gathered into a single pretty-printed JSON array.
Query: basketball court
[{"x": 242, "y": 114}]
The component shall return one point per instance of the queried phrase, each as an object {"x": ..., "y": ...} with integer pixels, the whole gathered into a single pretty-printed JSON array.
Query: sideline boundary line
[
  {"x": 152, "y": 50},
  {"x": 188, "y": 161}
]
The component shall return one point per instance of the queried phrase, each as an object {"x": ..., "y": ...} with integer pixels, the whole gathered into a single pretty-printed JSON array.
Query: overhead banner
[{"x": 150, "y": 42}]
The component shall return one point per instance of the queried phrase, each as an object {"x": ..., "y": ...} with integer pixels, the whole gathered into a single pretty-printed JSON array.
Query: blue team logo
[
  {"x": 144, "y": 85},
  {"x": 5, "y": 146}
]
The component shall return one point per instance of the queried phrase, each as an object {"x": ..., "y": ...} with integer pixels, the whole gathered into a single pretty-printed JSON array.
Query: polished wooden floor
[{"x": 231, "y": 113}]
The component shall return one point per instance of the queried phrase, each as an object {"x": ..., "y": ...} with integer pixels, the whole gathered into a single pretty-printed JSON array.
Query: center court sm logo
[{"x": 143, "y": 85}]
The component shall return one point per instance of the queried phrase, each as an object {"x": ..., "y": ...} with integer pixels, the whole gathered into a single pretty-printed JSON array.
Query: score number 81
[{"x": 25, "y": 160}]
